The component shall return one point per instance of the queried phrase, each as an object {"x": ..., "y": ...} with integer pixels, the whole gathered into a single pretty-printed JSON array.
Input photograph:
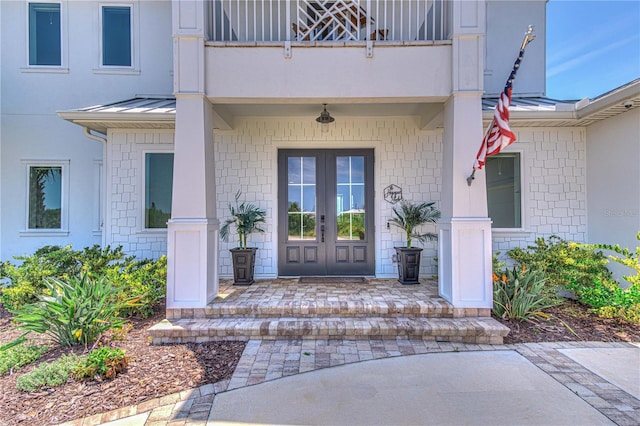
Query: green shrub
[
  {"x": 496, "y": 264},
  {"x": 104, "y": 362},
  {"x": 582, "y": 269},
  {"x": 27, "y": 279},
  {"x": 19, "y": 356},
  {"x": 609, "y": 300},
  {"x": 142, "y": 279},
  {"x": 565, "y": 264},
  {"x": 627, "y": 258},
  {"x": 629, "y": 313},
  {"x": 76, "y": 311},
  {"x": 49, "y": 375},
  {"x": 520, "y": 294}
]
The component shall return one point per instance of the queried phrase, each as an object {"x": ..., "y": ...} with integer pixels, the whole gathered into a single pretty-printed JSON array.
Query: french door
[{"x": 326, "y": 216}]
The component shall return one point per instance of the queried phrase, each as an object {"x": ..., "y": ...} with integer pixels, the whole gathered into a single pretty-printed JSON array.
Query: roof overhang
[
  {"x": 160, "y": 112},
  {"x": 137, "y": 113},
  {"x": 543, "y": 112}
]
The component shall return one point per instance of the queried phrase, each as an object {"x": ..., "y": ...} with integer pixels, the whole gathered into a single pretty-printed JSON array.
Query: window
[
  {"x": 504, "y": 190},
  {"x": 47, "y": 195},
  {"x": 116, "y": 36},
  {"x": 44, "y": 34},
  {"x": 157, "y": 188}
]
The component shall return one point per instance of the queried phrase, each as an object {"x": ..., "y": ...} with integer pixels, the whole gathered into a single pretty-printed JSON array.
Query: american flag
[{"x": 499, "y": 135}]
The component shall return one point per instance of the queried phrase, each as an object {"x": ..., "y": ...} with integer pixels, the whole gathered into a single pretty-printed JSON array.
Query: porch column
[
  {"x": 464, "y": 258},
  {"x": 192, "y": 246}
]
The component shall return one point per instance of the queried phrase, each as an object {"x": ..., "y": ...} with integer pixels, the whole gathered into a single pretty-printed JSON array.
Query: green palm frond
[
  {"x": 246, "y": 217},
  {"x": 409, "y": 216}
]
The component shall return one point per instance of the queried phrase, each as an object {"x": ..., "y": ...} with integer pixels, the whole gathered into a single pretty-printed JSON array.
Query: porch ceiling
[{"x": 354, "y": 109}]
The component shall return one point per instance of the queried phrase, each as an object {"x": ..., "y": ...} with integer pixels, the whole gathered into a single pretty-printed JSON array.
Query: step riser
[
  {"x": 320, "y": 310},
  {"x": 483, "y": 330}
]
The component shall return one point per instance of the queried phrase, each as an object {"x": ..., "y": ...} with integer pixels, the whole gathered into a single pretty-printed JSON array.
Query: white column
[
  {"x": 192, "y": 246},
  {"x": 464, "y": 258}
]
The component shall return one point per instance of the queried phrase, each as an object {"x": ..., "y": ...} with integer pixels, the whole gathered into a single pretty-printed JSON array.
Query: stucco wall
[
  {"x": 553, "y": 162},
  {"x": 30, "y": 129},
  {"x": 613, "y": 155}
]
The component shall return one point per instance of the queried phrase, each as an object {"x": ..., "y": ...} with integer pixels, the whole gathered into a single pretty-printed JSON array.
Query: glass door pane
[
  {"x": 301, "y": 198},
  {"x": 350, "y": 191}
]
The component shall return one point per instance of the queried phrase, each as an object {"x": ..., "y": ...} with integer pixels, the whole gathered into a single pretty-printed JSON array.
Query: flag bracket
[{"x": 471, "y": 177}]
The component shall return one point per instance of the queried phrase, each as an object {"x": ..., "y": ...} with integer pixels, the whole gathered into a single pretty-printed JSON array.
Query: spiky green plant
[
  {"x": 520, "y": 294},
  {"x": 410, "y": 216},
  {"x": 247, "y": 219},
  {"x": 74, "y": 311}
]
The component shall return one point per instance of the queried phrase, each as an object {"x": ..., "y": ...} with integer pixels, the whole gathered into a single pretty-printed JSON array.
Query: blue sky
[{"x": 592, "y": 46}]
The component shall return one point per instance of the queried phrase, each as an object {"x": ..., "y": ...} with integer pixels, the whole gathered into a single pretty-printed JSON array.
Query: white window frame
[
  {"x": 135, "y": 37},
  {"x": 143, "y": 189},
  {"x": 64, "y": 41},
  {"x": 64, "y": 197},
  {"x": 524, "y": 195}
]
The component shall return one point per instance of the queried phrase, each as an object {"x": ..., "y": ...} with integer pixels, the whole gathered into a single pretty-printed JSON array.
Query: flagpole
[{"x": 528, "y": 37}]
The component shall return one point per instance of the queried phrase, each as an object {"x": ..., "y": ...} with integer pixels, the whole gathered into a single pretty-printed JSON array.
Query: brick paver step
[
  {"x": 309, "y": 308},
  {"x": 466, "y": 330}
]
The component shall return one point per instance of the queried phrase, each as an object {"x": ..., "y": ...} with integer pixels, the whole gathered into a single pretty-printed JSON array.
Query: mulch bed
[
  {"x": 154, "y": 371},
  {"x": 570, "y": 322},
  {"x": 162, "y": 370}
]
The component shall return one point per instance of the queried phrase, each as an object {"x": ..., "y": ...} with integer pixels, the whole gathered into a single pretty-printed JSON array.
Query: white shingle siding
[
  {"x": 125, "y": 180},
  {"x": 554, "y": 168},
  {"x": 553, "y": 164}
]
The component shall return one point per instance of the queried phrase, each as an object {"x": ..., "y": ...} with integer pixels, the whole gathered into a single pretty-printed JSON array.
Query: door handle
[{"x": 322, "y": 228}]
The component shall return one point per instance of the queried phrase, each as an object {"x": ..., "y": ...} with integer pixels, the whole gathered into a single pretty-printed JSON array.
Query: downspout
[
  {"x": 103, "y": 194},
  {"x": 87, "y": 133}
]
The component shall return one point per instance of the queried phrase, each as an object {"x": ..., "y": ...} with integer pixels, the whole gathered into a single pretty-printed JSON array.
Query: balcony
[
  {"x": 306, "y": 21},
  {"x": 348, "y": 51}
]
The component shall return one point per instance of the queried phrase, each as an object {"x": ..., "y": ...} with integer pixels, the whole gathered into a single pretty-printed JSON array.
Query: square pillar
[
  {"x": 464, "y": 231},
  {"x": 464, "y": 262},
  {"x": 192, "y": 269},
  {"x": 464, "y": 258},
  {"x": 193, "y": 230}
]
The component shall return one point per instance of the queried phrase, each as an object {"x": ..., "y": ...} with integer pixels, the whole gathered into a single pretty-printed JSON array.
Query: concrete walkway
[{"x": 408, "y": 382}]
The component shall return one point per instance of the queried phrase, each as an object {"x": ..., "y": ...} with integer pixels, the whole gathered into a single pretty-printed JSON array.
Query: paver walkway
[{"x": 265, "y": 360}]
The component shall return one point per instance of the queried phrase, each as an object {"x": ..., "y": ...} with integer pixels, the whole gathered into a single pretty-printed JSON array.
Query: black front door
[{"x": 326, "y": 217}]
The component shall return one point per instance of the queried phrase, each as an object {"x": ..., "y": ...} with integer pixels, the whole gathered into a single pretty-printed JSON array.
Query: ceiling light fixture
[{"x": 325, "y": 119}]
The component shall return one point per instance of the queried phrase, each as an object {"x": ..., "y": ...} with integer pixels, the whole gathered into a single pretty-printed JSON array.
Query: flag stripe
[{"x": 499, "y": 134}]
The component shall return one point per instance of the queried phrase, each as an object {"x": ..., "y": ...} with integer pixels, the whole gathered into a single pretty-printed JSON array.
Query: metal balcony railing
[{"x": 327, "y": 20}]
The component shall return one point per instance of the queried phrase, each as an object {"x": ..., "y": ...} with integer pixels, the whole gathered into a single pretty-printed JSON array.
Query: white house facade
[{"x": 215, "y": 97}]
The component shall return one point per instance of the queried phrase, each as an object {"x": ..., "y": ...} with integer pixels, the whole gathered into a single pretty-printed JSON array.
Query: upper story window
[
  {"x": 45, "y": 35},
  {"x": 116, "y": 36},
  {"x": 504, "y": 194},
  {"x": 158, "y": 187}
]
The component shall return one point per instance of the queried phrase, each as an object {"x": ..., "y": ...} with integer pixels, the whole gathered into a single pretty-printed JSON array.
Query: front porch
[{"x": 335, "y": 308}]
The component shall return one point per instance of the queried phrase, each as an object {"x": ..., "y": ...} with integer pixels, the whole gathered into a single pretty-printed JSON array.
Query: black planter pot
[
  {"x": 408, "y": 264},
  {"x": 244, "y": 261}
]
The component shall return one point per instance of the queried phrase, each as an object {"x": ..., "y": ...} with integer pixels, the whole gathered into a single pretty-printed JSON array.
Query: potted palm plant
[
  {"x": 247, "y": 218},
  {"x": 409, "y": 217}
]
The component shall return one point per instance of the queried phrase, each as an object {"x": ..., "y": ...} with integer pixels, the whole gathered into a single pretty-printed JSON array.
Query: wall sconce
[{"x": 325, "y": 119}]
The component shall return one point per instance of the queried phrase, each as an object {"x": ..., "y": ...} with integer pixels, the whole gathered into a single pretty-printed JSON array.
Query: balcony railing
[{"x": 327, "y": 20}]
